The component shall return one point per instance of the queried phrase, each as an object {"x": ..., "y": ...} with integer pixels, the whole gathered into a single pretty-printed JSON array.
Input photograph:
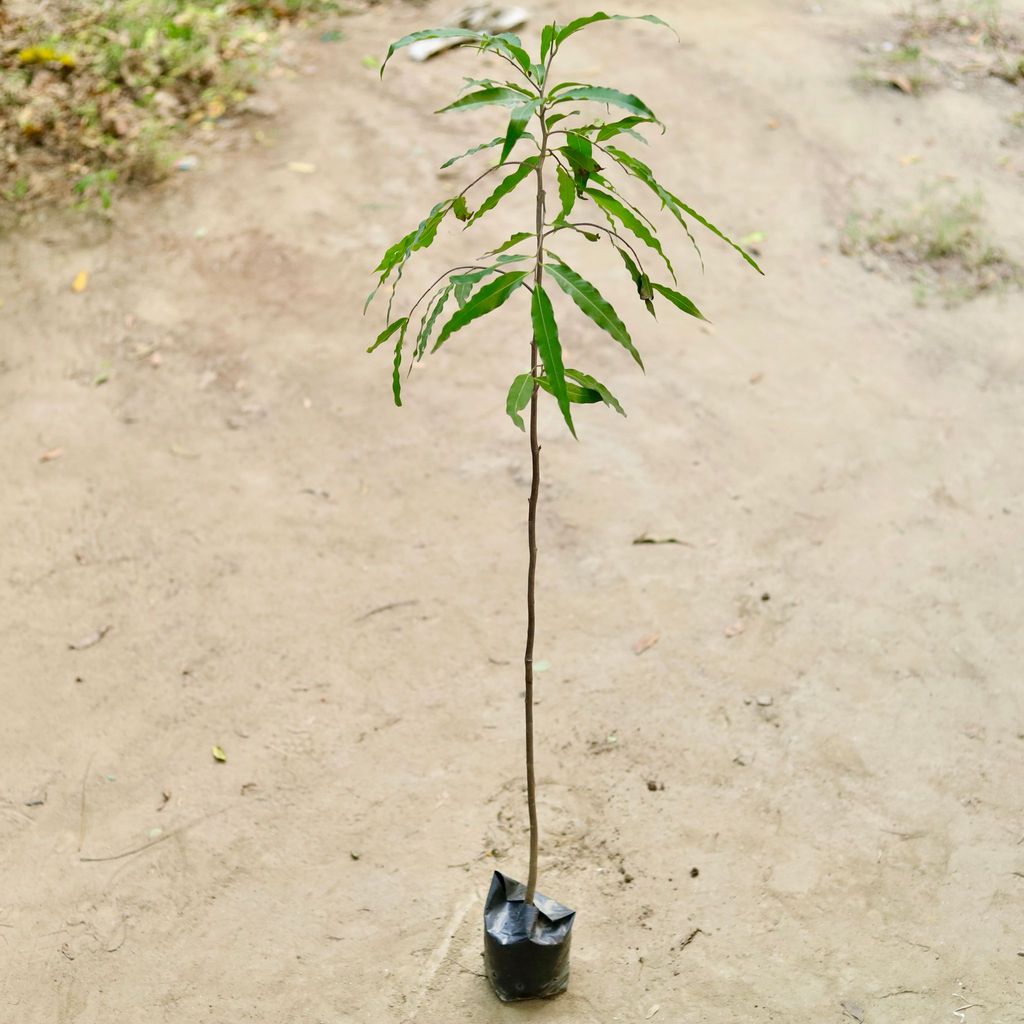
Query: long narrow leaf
[
  {"x": 519, "y": 396},
  {"x": 489, "y": 298},
  {"x": 500, "y": 96},
  {"x": 505, "y": 187},
  {"x": 631, "y": 222},
  {"x": 545, "y": 333},
  {"x": 519, "y": 236},
  {"x": 547, "y": 39},
  {"x": 577, "y": 395},
  {"x": 641, "y": 280},
  {"x": 592, "y": 384},
  {"x": 517, "y": 126},
  {"x": 594, "y": 305},
  {"x": 428, "y": 33},
  {"x": 679, "y": 301},
  {"x": 388, "y": 332},
  {"x": 610, "y": 97},
  {"x": 566, "y": 193},
  {"x": 429, "y": 319},
  {"x": 579, "y": 23},
  {"x": 396, "y": 376},
  {"x": 484, "y": 145}
]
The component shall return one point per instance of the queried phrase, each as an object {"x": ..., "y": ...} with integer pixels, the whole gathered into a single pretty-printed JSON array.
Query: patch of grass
[
  {"x": 92, "y": 91},
  {"x": 939, "y": 242}
]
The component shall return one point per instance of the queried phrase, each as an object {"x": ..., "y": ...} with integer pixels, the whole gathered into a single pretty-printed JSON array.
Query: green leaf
[
  {"x": 461, "y": 208},
  {"x": 511, "y": 45},
  {"x": 614, "y": 208},
  {"x": 489, "y": 298},
  {"x": 594, "y": 305},
  {"x": 388, "y": 332},
  {"x": 627, "y": 124},
  {"x": 590, "y": 383},
  {"x": 610, "y": 97},
  {"x": 643, "y": 173},
  {"x": 555, "y": 118},
  {"x": 396, "y": 375},
  {"x": 519, "y": 236},
  {"x": 680, "y": 301},
  {"x": 517, "y": 126},
  {"x": 545, "y": 333},
  {"x": 519, "y": 396},
  {"x": 505, "y": 187},
  {"x": 465, "y": 283},
  {"x": 500, "y": 96},
  {"x": 579, "y": 23},
  {"x": 642, "y": 281},
  {"x": 484, "y": 145},
  {"x": 547, "y": 39},
  {"x": 429, "y": 319},
  {"x": 428, "y": 33},
  {"x": 419, "y": 238},
  {"x": 566, "y": 192},
  {"x": 577, "y": 395}
]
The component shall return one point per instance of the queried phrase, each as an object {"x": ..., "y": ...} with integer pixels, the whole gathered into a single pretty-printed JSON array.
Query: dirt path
[{"x": 834, "y": 704}]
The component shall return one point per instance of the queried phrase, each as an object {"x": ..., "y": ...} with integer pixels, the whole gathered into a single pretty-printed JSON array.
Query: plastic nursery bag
[{"x": 526, "y": 948}]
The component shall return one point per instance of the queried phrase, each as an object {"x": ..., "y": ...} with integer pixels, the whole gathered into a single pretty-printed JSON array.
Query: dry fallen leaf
[
  {"x": 51, "y": 454},
  {"x": 81, "y": 281},
  {"x": 902, "y": 83},
  {"x": 215, "y": 108},
  {"x": 89, "y": 641},
  {"x": 646, "y": 643},
  {"x": 218, "y": 754},
  {"x": 301, "y": 168},
  {"x": 735, "y": 629},
  {"x": 910, "y": 158},
  {"x": 773, "y": 123}
]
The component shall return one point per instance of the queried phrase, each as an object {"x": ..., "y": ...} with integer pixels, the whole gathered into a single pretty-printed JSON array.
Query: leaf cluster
[{"x": 548, "y": 126}]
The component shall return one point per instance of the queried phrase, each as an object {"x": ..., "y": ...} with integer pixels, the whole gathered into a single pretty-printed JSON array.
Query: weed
[
  {"x": 104, "y": 85},
  {"x": 940, "y": 240}
]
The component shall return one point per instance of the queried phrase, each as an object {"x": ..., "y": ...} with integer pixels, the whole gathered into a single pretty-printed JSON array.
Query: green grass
[
  {"x": 940, "y": 240},
  {"x": 94, "y": 91}
]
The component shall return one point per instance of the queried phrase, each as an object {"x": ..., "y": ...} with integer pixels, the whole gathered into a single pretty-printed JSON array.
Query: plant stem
[{"x": 531, "y": 611}]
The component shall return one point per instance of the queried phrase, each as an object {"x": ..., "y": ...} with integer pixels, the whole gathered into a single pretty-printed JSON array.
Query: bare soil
[{"x": 331, "y": 590}]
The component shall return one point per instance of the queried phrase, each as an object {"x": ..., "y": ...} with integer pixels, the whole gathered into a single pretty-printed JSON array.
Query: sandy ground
[{"x": 239, "y": 496}]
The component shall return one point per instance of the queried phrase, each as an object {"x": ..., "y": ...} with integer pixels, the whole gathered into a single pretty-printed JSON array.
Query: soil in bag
[{"x": 526, "y": 948}]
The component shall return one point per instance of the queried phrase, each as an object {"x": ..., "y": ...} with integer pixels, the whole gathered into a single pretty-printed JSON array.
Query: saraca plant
[{"x": 554, "y": 139}]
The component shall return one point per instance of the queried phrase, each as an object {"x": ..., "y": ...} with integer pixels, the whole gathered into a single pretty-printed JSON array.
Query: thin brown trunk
[{"x": 531, "y": 612}]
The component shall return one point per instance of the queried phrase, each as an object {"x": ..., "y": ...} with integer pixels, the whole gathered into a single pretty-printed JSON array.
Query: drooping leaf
[
  {"x": 614, "y": 208},
  {"x": 484, "y": 145},
  {"x": 641, "y": 280},
  {"x": 485, "y": 301},
  {"x": 517, "y": 126},
  {"x": 580, "y": 23},
  {"x": 592, "y": 384},
  {"x": 627, "y": 124},
  {"x": 679, "y": 301},
  {"x": 577, "y": 395},
  {"x": 499, "y": 95},
  {"x": 419, "y": 238},
  {"x": 547, "y": 39},
  {"x": 396, "y": 375},
  {"x": 519, "y": 236},
  {"x": 566, "y": 192},
  {"x": 545, "y": 333},
  {"x": 555, "y": 118},
  {"x": 388, "y": 332},
  {"x": 461, "y": 208},
  {"x": 642, "y": 172},
  {"x": 505, "y": 187},
  {"x": 610, "y": 97},
  {"x": 601, "y": 180},
  {"x": 511, "y": 45},
  {"x": 594, "y": 305},
  {"x": 465, "y": 283},
  {"x": 429, "y": 319},
  {"x": 428, "y": 33},
  {"x": 519, "y": 398}
]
